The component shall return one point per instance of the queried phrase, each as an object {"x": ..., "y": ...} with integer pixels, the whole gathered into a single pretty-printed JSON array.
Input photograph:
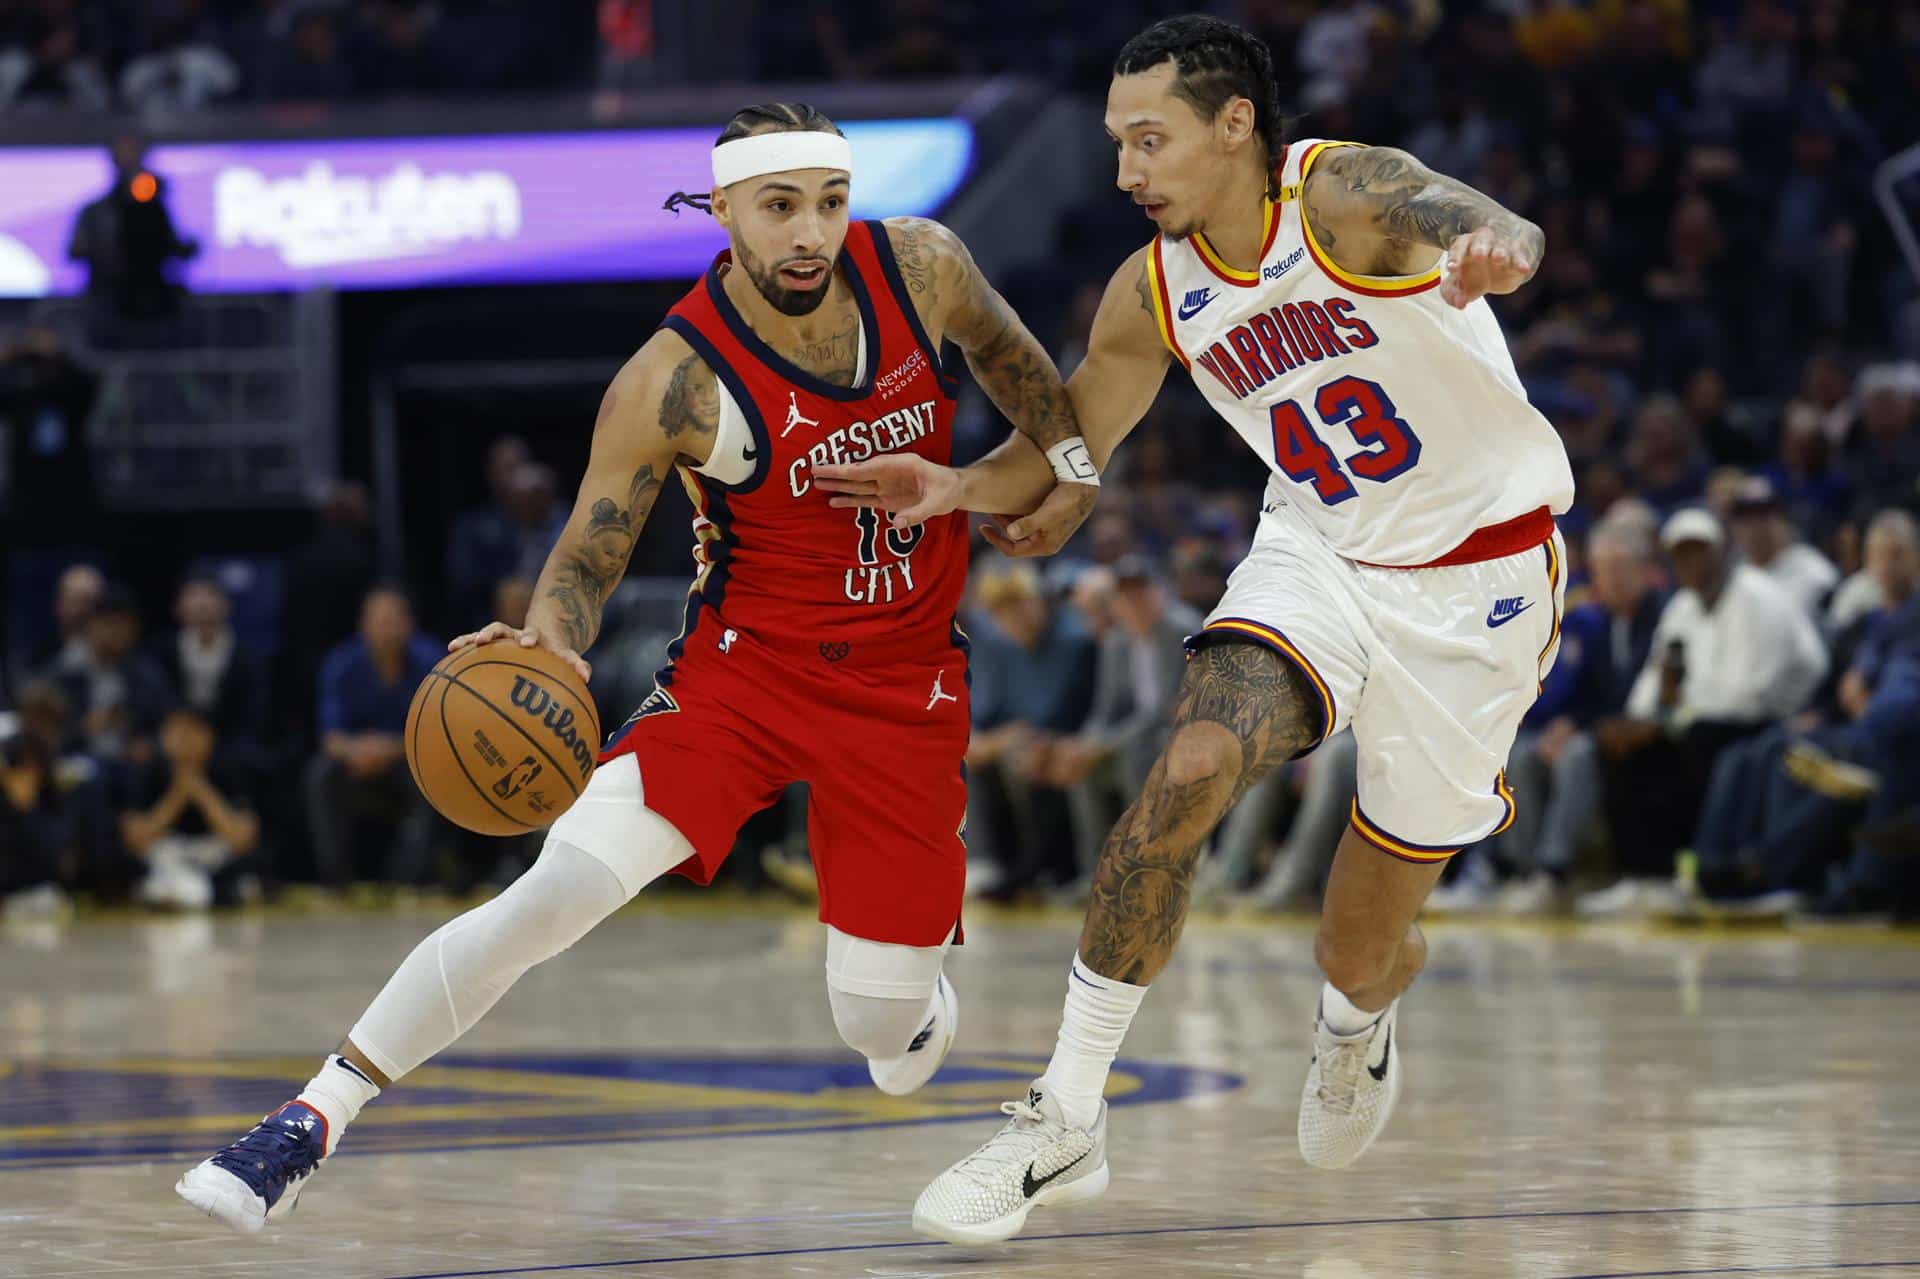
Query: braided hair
[
  {"x": 1214, "y": 62},
  {"x": 764, "y": 117}
]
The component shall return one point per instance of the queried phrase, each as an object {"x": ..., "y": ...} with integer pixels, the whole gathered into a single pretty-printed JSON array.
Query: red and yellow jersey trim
[
  {"x": 1162, "y": 308},
  {"x": 1553, "y": 603},
  {"x": 1513, "y": 809},
  {"x": 1274, "y": 639},
  {"x": 1373, "y": 286},
  {"x": 1269, "y": 230},
  {"x": 1422, "y": 854}
]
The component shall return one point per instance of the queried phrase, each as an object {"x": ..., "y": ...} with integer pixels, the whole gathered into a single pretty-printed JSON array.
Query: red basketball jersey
[{"x": 777, "y": 564}]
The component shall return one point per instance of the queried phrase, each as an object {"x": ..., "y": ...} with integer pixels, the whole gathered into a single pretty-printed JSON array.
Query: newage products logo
[{"x": 322, "y": 218}]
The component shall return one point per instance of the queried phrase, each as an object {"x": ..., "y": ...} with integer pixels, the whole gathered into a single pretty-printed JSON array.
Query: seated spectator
[
  {"x": 309, "y": 64},
  {"x": 54, "y": 808},
  {"x": 1033, "y": 669},
  {"x": 212, "y": 674},
  {"x": 1768, "y": 540},
  {"x": 46, "y": 397},
  {"x": 75, "y": 597},
  {"x": 189, "y": 819},
  {"x": 181, "y": 70},
  {"x": 48, "y": 67},
  {"x": 118, "y": 693},
  {"x": 1554, "y": 768},
  {"x": 366, "y": 816},
  {"x": 1104, "y": 763},
  {"x": 1663, "y": 455},
  {"x": 1728, "y": 431},
  {"x": 481, "y": 548},
  {"x": 1809, "y": 482},
  {"x": 1885, "y": 449},
  {"x": 1769, "y": 831},
  {"x": 1730, "y": 655},
  {"x": 328, "y": 577}
]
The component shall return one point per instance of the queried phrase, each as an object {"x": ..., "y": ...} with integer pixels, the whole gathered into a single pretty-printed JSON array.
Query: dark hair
[
  {"x": 764, "y": 117},
  {"x": 1214, "y": 62}
]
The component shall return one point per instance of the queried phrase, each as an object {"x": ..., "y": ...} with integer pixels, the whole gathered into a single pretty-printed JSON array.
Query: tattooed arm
[
  {"x": 1379, "y": 211},
  {"x": 1110, "y": 392},
  {"x": 661, "y": 410}
]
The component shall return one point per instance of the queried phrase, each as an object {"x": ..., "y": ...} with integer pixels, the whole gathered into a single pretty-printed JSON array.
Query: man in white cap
[{"x": 1732, "y": 653}]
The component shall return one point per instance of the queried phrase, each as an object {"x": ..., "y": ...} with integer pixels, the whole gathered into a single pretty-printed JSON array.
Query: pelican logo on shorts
[
  {"x": 727, "y": 637},
  {"x": 830, "y": 652},
  {"x": 516, "y": 781},
  {"x": 538, "y": 702}
]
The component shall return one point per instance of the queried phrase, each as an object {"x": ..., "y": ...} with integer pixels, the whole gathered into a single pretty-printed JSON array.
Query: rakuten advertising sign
[{"x": 400, "y": 212}]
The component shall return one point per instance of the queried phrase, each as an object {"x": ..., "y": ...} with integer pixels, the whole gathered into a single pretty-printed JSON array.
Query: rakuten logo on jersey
[{"x": 322, "y": 218}]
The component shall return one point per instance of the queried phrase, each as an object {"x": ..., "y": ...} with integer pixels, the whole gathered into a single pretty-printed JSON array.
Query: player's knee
[
  {"x": 877, "y": 1028},
  {"x": 1206, "y": 756},
  {"x": 1353, "y": 962}
]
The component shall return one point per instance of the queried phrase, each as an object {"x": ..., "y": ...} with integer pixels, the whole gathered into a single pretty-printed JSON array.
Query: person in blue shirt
[
  {"x": 364, "y": 811},
  {"x": 1554, "y": 768}
]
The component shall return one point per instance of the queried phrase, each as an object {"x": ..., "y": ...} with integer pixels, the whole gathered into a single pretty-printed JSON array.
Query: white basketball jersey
[{"x": 1394, "y": 423}]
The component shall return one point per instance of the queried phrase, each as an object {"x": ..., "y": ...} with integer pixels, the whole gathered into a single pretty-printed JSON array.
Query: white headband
[{"x": 764, "y": 153}]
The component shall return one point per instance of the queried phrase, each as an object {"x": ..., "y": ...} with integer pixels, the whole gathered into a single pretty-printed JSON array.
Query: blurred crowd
[{"x": 1723, "y": 333}]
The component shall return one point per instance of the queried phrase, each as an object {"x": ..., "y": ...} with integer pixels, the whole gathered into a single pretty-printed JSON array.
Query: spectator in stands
[
  {"x": 1726, "y": 430},
  {"x": 1810, "y": 483},
  {"x": 75, "y": 597},
  {"x": 180, "y": 70},
  {"x": 1664, "y": 456},
  {"x": 328, "y": 576},
  {"x": 119, "y": 694},
  {"x": 46, "y": 397},
  {"x": 364, "y": 812},
  {"x": 1817, "y": 213},
  {"x": 1731, "y": 654},
  {"x": 39, "y": 840},
  {"x": 512, "y": 597},
  {"x": 1885, "y": 447},
  {"x": 1769, "y": 830},
  {"x": 309, "y": 61},
  {"x": 190, "y": 819},
  {"x": 1554, "y": 769},
  {"x": 1033, "y": 668},
  {"x": 213, "y": 674},
  {"x": 47, "y": 64},
  {"x": 483, "y": 547},
  {"x": 1104, "y": 763},
  {"x": 1768, "y": 540}
]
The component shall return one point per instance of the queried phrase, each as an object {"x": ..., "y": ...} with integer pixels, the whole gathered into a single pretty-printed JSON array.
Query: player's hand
[
  {"x": 1481, "y": 262},
  {"x": 525, "y": 637},
  {"x": 1050, "y": 526},
  {"x": 913, "y": 489}
]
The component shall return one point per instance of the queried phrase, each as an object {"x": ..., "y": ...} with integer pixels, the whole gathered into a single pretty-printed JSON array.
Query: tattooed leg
[{"x": 1243, "y": 710}]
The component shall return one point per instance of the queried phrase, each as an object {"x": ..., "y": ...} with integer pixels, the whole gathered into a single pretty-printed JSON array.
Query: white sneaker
[
  {"x": 1467, "y": 896},
  {"x": 1351, "y": 1088},
  {"x": 1629, "y": 898},
  {"x": 1537, "y": 894},
  {"x": 1038, "y": 1158},
  {"x": 898, "y": 1076}
]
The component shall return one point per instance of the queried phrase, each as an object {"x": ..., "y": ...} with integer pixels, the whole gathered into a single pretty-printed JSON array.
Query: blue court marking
[
  {"x": 1821, "y": 1268},
  {"x": 1250, "y": 1228},
  {"x": 50, "y": 1112}
]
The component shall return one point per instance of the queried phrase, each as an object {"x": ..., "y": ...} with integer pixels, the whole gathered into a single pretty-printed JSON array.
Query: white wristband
[{"x": 1072, "y": 464}]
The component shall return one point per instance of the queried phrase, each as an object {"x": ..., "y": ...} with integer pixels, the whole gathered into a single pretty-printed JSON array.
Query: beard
[{"x": 787, "y": 301}]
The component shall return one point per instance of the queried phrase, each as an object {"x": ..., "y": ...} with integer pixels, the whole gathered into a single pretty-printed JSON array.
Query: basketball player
[
  {"x": 1405, "y": 578},
  {"x": 819, "y": 645}
]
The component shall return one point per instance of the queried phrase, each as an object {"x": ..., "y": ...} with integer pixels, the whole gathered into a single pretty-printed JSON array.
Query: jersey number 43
[{"x": 1364, "y": 409}]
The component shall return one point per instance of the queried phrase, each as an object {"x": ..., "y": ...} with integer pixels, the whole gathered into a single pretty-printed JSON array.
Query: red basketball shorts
[{"x": 880, "y": 747}]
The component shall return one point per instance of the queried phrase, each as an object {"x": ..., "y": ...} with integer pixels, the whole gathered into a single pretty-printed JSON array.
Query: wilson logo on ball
[{"x": 538, "y": 702}]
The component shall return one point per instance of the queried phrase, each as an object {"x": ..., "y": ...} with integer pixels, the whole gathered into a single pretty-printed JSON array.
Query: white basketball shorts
[{"x": 1433, "y": 667}]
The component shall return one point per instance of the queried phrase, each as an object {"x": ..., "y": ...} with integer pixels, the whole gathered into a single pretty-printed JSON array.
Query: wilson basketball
[{"x": 501, "y": 739}]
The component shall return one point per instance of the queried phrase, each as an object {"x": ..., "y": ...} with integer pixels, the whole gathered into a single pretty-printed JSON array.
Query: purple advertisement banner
[{"x": 401, "y": 212}]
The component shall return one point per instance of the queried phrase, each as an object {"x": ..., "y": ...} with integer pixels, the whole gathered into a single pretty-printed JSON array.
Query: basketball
[{"x": 501, "y": 739}]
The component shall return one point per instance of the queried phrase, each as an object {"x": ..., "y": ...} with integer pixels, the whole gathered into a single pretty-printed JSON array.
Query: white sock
[
  {"x": 1099, "y": 1010},
  {"x": 1340, "y": 1015},
  {"x": 338, "y": 1092}
]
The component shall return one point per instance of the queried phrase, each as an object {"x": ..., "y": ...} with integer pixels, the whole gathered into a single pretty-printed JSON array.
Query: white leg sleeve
[
  {"x": 880, "y": 992},
  {"x": 453, "y": 977}
]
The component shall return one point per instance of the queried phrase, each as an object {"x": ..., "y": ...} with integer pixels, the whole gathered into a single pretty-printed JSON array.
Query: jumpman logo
[
  {"x": 794, "y": 416},
  {"x": 939, "y": 695}
]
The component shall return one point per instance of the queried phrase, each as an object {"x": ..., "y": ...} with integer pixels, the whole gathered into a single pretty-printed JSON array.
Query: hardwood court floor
[{"x": 668, "y": 1100}]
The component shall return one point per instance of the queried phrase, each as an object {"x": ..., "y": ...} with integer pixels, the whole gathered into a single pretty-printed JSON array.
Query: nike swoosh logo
[
  {"x": 1028, "y": 1185},
  {"x": 1187, "y": 312},
  {"x": 1502, "y": 621},
  {"x": 750, "y": 454},
  {"x": 1379, "y": 1072}
]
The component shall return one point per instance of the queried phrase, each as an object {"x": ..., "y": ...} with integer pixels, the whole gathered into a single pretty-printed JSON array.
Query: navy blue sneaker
[{"x": 258, "y": 1177}]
